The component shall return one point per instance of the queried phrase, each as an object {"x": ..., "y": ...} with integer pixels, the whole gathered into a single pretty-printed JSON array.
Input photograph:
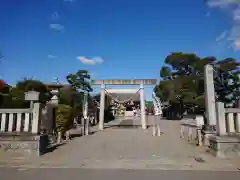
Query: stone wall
[{"x": 24, "y": 144}]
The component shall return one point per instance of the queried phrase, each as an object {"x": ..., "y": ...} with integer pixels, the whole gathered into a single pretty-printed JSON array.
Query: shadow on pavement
[{"x": 53, "y": 147}]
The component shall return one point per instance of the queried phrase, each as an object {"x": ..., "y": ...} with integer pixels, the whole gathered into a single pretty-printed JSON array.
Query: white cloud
[
  {"x": 230, "y": 37},
  {"x": 236, "y": 14},
  {"x": 90, "y": 61},
  {"x": 55, "y": 16},
  {"x": 50, "y": 56},
  {"x": 222, "y": 36},
  {"x": 98, "y": 59},
  {"x": 221, "y": 3},
  {"x": 57, "y": 27}
]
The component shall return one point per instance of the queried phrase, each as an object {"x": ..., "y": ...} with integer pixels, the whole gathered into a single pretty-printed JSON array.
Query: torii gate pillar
[
  {"x": 102, "y": 106},
  {"x": 142, "y": 104}
]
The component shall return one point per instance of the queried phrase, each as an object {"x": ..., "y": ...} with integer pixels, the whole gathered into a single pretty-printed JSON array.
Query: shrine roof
[
  {"x": 53, "y": 85},
  {"x": 125, "y": 96}
]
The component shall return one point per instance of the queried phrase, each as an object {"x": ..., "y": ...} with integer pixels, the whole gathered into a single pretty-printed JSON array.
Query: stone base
[
  {"x": 24, "y": 143},
  {"x": 206, "y": 136},
  {"x": 224, "y": 146}
]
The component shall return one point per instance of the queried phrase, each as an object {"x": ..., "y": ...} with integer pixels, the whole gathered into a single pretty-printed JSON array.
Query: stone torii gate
[{"x": 140, "y": 82}]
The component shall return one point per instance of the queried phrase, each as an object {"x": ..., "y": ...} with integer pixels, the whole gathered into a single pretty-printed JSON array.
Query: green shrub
[{"x": 63, "y": 117}]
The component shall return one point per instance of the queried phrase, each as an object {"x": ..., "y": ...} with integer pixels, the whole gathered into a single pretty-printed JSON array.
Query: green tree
[
  {"x": 64, "y": 120},
  {"x": 182, "y": 79},
  {"x": 4, "y": 87},
  {"x": 12, "y": 97},
  {"x": 71, "y": 97},
  {"x": 80, "y": 81},
  {"x": 227, "y": 80},
  {"x": 4, "y": 92},
  {"x": 66, "y": 95},
  {"x": 28, "y": 84}
]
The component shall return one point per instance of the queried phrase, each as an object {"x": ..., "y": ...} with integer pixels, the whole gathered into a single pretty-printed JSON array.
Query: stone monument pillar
[
  {"x": 142, "y": 104},
  {"x": 209, "y": 95},
  {"x": 102, "y": 107}
]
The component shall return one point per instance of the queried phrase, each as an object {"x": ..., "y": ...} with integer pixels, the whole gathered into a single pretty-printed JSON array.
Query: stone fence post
[
  {"x": 221, "y": 124},
  {"x": 36, "y": 117}
]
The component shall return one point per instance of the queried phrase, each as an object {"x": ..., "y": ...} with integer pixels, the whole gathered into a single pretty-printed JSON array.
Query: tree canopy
[
  {"x": 182, "y": 79},
  {"x": 81, "y": 80},
  {"x": 70, "y": 95}
]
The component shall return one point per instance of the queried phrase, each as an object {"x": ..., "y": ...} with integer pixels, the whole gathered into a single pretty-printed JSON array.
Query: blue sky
[{"x": 111, "y": 38}]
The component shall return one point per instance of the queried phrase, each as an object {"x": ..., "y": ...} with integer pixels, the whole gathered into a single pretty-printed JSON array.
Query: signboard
[{"x": 32, "y": 96}]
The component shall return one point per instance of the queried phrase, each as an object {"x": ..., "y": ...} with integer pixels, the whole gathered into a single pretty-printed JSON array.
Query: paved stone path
[
  {"x": 118, "y": 147},
  {"x": 110, "y": 174}
]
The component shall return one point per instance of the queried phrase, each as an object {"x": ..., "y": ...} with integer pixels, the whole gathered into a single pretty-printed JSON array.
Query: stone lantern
[{"x": 54, "y": 99}]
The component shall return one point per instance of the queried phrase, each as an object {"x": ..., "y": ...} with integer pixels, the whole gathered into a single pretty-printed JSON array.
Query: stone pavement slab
[
  {"x": 127, "y": 149},
  {"x": 109, "y": 174}
]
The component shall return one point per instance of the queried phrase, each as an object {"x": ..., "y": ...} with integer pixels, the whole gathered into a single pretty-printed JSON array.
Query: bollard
[
  {"x": 182, "y": 132},
  {"x": 199, "y": 136},
  {"x": 189, "y": 133},
  {"x": 87, "y": 126}
]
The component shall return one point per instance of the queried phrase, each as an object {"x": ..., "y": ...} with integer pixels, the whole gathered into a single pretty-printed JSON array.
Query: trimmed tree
[{"x": 182, "y": 81}]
